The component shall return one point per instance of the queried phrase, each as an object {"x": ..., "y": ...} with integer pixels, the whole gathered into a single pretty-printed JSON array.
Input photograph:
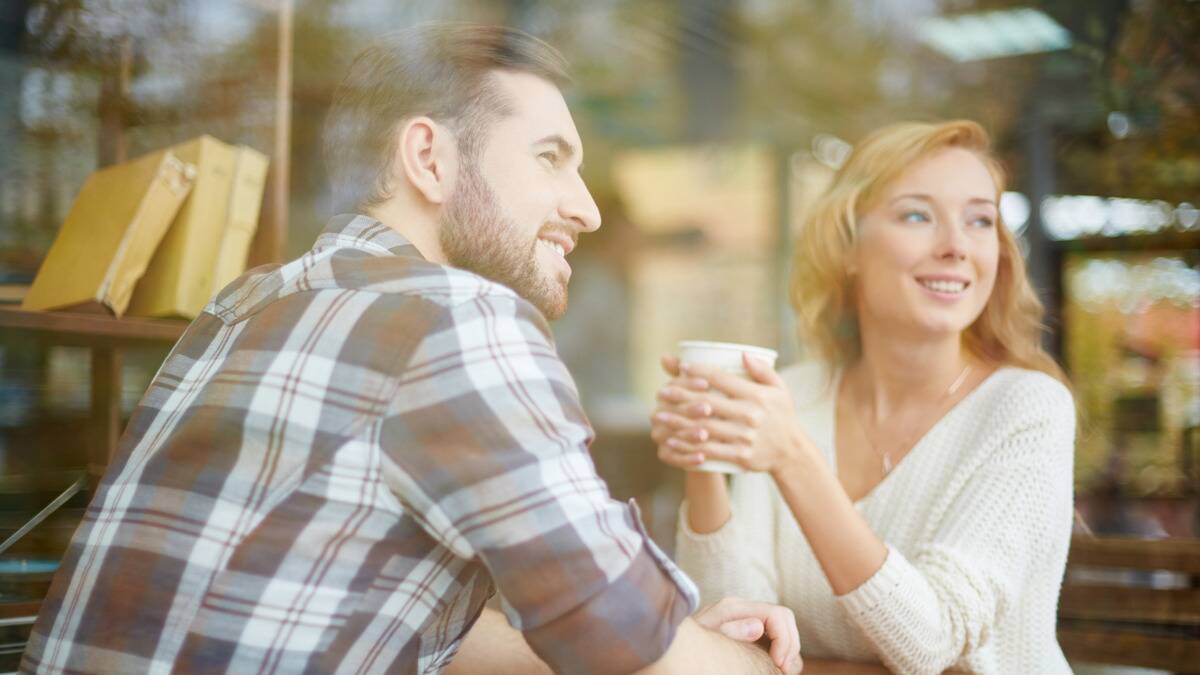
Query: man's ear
[{"x": 427, "y": 156}]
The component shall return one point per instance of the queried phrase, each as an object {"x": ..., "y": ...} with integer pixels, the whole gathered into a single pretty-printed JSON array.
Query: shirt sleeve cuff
[{"x": 635, "y": 617}]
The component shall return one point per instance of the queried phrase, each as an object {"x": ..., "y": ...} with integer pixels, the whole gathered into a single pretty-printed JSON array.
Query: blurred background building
[{"x": 708, "y": 126}]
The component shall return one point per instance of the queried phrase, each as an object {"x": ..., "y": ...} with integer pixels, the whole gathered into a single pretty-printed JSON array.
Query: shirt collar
[{"x": 365, "y": 233}]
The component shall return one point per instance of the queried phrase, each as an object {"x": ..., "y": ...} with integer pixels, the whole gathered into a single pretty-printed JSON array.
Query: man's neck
[{"x": 419, "y": 227}]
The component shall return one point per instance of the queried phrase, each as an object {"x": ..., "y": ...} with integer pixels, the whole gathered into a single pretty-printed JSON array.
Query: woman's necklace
[{"x": 885, "y": 456}]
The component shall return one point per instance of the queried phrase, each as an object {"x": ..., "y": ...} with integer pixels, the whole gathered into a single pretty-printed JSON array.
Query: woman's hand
[
  {"x": 747, "y": 621},
  {"x": 671, "y": 418},
  {"x": 707, "y": 413}
]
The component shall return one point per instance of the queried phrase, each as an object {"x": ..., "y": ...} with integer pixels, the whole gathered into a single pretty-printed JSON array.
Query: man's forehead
[{"x": 537, "y": 106}]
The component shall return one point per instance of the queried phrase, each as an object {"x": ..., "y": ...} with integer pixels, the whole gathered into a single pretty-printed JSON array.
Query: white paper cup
[{"x": 728, "y": 357}]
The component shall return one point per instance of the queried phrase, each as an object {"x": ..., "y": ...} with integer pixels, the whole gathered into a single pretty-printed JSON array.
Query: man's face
[{"x": 518, "y": 208}]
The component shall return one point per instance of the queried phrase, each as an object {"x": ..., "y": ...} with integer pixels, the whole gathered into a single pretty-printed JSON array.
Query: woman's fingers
[
  {"x": 733, "y": 386},
  {"x": 670, "y": 363},
  {"x": 761, "y": 371},
  {"x": 780, "y": 626},
  {"x": 743, "y": 630},
  {"x": 667, "y": 428},
  {"x": 778, "y": 623},
  {"x": 685, "y": 386},
  {"x": 666, "y": 424},
  {"x": 733, "y": 433},
  {"x": 699, "y": 406},
  {"x": 681, "y": 459},
  {"x": 708, "y": 449}
]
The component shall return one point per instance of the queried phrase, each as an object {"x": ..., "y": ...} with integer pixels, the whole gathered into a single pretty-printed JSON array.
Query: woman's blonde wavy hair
[{"x": 1007, "y": 332}]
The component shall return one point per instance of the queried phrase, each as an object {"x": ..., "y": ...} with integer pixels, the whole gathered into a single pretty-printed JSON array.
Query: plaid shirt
[{"x": 339, "y": 462}]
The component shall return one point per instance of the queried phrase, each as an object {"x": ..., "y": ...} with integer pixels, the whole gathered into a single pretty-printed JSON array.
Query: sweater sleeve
[
  {"x": 1009, "y": 518},
  {"x": 739, "y": 558}
]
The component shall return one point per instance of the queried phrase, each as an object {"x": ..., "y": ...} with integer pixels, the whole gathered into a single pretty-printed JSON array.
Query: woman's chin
[{"x": 942, "y": 328}]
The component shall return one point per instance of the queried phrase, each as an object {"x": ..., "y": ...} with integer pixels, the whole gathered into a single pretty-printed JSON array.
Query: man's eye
[{"x": 550, "y": 156}]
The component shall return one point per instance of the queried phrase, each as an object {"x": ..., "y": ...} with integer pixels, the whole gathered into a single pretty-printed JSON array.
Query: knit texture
[{"x": 977, "y": 520}]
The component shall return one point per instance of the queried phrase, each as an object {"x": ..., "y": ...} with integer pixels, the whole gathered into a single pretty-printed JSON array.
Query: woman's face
[{"x": 927, "y": 252}]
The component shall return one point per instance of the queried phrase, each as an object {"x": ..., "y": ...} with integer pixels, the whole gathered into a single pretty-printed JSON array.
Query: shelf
[{"x": 92, "y": 330}]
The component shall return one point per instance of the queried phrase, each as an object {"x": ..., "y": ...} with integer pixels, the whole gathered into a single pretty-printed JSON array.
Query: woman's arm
[
  {"x": 739, "y": 558},
  {"x": 708, "y": 501},
  {"x": 725, "y": 542},
  {"x": 846, "y": 547},
  {"x": 925, "y": 613},
  {"x": 754, "y": 423}
]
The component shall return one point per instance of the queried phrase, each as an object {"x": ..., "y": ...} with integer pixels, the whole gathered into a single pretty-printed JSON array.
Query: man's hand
[{"x": 748, "y": 621}]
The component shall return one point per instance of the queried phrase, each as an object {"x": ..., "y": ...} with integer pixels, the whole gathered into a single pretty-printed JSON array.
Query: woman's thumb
[{"x": 760, "y": 371}]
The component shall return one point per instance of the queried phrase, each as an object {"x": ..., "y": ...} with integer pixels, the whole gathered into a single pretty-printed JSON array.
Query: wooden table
[{"x": 833, "y": 667}]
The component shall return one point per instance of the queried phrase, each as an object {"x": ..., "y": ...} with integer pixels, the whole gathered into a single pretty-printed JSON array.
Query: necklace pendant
[{"x": 887, "y": 464}]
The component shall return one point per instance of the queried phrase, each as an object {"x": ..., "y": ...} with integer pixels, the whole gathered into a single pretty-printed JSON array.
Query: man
[{"x": 345, "y": 455}]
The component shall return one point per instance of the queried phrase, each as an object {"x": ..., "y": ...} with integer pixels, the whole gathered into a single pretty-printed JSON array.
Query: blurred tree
[{"x": 1123, "y": 103}]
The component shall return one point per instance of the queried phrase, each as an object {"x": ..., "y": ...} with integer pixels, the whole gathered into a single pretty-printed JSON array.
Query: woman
[{"x": 910, "y": 494}]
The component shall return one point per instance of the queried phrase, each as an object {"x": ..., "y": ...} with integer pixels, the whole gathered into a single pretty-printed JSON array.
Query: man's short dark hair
[{"x": 437, "y": 70}]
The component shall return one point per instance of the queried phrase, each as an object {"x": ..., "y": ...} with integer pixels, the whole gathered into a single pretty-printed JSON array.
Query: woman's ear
[{"x": 851, "y": 265}]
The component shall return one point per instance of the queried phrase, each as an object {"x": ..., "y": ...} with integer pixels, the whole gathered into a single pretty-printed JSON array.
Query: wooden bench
[{"x": 1133, "y": 602}]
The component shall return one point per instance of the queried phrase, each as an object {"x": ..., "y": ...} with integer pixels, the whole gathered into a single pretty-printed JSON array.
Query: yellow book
[
  {"x": 179, "y": 280},
  {"x": 103, "y": 247},
  {"x": 241, "y": 218}
]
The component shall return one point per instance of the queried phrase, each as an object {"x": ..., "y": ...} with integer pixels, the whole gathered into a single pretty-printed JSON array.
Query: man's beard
[{"x": 476, "y": 236}]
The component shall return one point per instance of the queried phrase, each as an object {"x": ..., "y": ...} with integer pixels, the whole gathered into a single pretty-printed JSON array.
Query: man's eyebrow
[{"x": 564, "y": 146}]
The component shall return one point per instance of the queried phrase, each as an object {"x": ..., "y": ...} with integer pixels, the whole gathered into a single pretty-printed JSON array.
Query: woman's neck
[{"x": 896, "y": 374}]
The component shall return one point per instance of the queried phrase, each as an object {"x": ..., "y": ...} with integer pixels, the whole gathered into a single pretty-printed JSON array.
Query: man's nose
[{"x": 578, "y": 207}]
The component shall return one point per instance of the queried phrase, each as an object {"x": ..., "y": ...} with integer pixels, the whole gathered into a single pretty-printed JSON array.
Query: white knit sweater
[{"x": 977, "y": 520}]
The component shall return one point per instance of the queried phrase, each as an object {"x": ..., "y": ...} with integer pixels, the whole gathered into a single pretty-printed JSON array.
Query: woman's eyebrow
[{"x": 928, "y": 198}]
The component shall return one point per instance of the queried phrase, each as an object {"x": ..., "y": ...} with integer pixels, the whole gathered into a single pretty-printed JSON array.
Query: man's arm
[
  {"x": 493, "y": 647},
  {"x": 486, "y": 440}
]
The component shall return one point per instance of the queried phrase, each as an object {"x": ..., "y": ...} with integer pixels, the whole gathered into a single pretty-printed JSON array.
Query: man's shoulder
[
  {"x": 386, "y": 278},
  {"x": 354, "y": 269},
  {"x": 441, "y": 306},
  {"x": 443, "y": 285}
]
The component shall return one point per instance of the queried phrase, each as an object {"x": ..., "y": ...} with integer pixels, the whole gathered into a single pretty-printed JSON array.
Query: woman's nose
[{"x": 952, "y": 241}]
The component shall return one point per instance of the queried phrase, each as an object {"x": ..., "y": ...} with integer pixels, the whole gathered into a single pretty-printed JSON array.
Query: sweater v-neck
[{"x": 831, "y": 418}]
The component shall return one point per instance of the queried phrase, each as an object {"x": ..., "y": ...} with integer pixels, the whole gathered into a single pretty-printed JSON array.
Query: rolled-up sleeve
[{"x": 488, "y": 443}]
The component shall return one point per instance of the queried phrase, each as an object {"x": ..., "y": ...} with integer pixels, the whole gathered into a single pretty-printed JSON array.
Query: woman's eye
[
  {"x": 914, "y": 217},
  {"x": 983, "y": 222},
  {"x": 550, "y": 156}
]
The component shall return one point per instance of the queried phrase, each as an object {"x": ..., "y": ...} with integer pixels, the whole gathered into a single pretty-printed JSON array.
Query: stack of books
[{"x": 155, "y": 236}]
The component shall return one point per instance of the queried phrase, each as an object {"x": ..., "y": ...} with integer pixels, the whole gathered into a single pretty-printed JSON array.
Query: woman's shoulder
[
  {"x": 1022, "y": 395},
  {"x": 1033, "y": 388}
]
